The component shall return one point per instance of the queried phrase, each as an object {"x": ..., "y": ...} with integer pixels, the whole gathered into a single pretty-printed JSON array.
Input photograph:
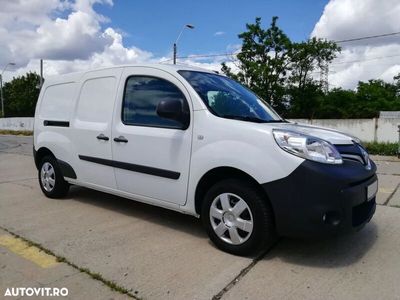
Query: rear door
[
  {"x": 151, "y": 154},
  {"x": 92, "y": 127}
]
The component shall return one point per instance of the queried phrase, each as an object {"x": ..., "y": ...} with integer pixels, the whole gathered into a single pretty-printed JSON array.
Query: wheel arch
[
  {"x": 66, "y": 168},
  {"x": 217, "y": 174},
  {"x": 40, "y": 153}
]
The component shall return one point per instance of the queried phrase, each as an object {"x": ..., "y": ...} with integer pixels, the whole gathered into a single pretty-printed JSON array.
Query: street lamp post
[
  {"x": 1, "y": 87},
  {"x": 190, "y": 26}
]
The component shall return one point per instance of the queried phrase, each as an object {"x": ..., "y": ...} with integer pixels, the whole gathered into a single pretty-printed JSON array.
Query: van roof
[{"x": 166, "y": 67}]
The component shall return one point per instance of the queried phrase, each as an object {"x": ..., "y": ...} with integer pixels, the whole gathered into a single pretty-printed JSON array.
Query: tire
[
  {"x": 51, "y": 180},
  {"x": 237, "y": 217}
]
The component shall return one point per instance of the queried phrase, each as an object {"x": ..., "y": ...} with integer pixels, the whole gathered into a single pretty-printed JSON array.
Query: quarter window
[{"x": 141, "y": 97}]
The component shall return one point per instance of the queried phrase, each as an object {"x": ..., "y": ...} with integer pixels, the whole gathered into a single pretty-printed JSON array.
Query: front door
[{"x": 151, "y": 154}]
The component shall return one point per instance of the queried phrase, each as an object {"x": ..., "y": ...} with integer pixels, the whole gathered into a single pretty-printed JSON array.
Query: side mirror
[{"x": 173, "y": 110}]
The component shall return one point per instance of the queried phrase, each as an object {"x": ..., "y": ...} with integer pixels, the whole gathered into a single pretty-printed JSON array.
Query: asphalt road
[
  {"x": 109, "y": 242},
  {"x": 16, "y": 144}
]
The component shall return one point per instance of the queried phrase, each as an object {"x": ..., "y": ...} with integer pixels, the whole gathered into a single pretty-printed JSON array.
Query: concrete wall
[
  {"x": 16, "y": 124},
  {"x": 387, "y": 130},
  {"x": 367, "y": 130}
]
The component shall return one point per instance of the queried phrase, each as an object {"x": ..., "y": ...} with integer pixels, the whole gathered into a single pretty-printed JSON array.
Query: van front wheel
[
  {"x": 51, "y": 180},
  {"x": 237, "y": 217}
]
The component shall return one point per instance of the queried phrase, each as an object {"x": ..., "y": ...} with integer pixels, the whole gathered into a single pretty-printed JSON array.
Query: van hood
[{"x": 330, "y": 135}]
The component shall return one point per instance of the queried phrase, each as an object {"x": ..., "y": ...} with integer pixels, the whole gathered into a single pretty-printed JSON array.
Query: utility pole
[
  {"x": 398, "y": 149},
  {"x": 324, "y": 77},
  {"x": 174, "y": 53},
  {"x": 190, "y": 26},
  {"x": 1, "y": 87},
  {"x": 41, "y": 80},
  {"x": 41, "y": 73},
  {"x": 1, "y": 95}
]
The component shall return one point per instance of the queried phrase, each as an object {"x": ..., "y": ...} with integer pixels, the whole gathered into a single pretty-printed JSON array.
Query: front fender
[{"x": 259, "y": 163}]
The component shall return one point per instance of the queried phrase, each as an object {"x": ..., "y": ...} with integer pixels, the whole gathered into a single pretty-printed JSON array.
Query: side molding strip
[
  {"x": 132, "y": 167},
  {"x": 56, "y": 123}
]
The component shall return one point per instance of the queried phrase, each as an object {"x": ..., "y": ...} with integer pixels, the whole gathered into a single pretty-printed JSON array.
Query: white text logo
[{"x": 36, "y": 291}]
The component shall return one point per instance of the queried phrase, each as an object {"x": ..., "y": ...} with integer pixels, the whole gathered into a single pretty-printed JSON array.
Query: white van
[{"x": 200, "y": 143}]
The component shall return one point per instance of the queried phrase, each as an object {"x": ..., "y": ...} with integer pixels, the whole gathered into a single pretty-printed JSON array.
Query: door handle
[
  {"x": 120, "y": 139},
  {"x": 102, "y": 137}
]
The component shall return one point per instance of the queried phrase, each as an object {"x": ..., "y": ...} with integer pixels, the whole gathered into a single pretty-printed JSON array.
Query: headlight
[{"x": 307, "y": 147}]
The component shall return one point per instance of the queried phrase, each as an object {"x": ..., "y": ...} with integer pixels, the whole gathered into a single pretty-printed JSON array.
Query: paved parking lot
[{"x": 108, "y": 245}]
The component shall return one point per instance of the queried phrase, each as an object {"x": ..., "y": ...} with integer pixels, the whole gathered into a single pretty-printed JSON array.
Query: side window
[{"x": 141, "y": 97}]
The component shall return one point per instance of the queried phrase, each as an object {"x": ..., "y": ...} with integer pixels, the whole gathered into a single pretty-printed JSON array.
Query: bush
[{"x": 376, "y": 148}]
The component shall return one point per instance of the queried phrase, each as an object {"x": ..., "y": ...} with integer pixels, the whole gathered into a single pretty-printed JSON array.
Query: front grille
[
  {"x": 353, "y": 157},
  {"x": 354, "y": 152}
]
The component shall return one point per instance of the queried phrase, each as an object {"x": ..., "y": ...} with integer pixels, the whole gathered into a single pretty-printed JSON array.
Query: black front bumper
[{"x": 320, "y": 199}]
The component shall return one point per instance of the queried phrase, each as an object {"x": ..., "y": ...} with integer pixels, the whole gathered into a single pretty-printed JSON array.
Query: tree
[
  {"x": 263, "y": 62},
  {"x": 309, "y": 56},
  {"x": 304, "y": 91},
  {"x": 305, "y": 102},
  {"x": 365, "y": 102},
  {"x": 374, "y": 96},
  {"x": 20, "y": 95},
  {"x": 279, "y": 70},
  {"x": 337, "y": 104},
  {"x": 396, "y": 80}
]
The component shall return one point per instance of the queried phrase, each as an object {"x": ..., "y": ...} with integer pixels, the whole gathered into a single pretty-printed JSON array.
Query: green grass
[
  {"x": 16, "y": 132},
  {"x": 375, "y": 148}
]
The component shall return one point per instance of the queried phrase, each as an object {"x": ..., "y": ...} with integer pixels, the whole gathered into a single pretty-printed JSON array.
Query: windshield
[{"x": 227, "y": 98}]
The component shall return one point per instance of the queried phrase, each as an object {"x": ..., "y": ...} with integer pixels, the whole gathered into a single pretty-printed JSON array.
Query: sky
[
  {"x": 217, "y": 23},
  {"x": 75, "y": 35}
]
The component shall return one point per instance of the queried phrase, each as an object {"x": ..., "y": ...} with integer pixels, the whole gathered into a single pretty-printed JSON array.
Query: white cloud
[
  {"x": 366, "y": 59},
  {"x": 112, "y": 54},
  {"x": 67, "y": 35},
  {"x": 78, "y": 36},
  {"x": 27, "y": 13},
  {"x": 70, "y": 35},
  {"x": 87, "y": 7}
]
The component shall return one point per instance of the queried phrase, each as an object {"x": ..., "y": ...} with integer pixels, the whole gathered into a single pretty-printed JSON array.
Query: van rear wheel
[
  {"x": 51, "y": 180},
  {"x": 238, "y": 218}
]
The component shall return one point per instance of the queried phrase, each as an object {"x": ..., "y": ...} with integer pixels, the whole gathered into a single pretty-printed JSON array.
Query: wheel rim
[
  {"x": 47, "y": 177},
  {"x": 231, "y": 218}
]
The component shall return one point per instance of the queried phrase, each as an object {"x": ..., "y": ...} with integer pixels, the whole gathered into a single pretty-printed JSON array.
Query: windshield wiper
[
  {"x": 244, "y": 118},
  {"x": 250, "y": 119},
  {"x": 277, "y": 121}
]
